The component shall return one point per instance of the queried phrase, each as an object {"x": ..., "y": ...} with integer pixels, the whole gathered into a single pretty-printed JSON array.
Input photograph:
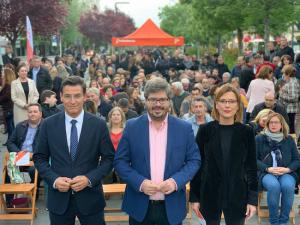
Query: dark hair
[
  {"x": 73, "y": 81},
  {"x": 20, "y": 66},
  {"x": 89, "y": 106},
  {"x": 46, "y": 94},
  {"x": 123, "y": 103},
  {"x": 35, "y": 104},
  {"x": 196, "y": 89}
]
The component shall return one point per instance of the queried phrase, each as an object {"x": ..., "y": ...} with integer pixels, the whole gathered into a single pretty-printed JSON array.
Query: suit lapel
[
  {"x": 145, "y": 139},
  {"x": 63, "y": 136},
  {"x": 218, "y": 155},
  {"x": 169, "y": 144}
]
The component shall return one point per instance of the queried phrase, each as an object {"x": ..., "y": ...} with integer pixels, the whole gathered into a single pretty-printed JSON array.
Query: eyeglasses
[
  {"x": 229, "y": 102},
  {"x": 275, "y": 122},
  {"x": 159, "y": 100}
]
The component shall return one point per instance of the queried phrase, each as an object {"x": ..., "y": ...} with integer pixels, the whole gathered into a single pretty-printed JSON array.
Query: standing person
[
  {"x": 23, "y": 93},
  {"x": 258, "y": 88},
  {"x": 289, "y": 94},
  {"x": 227, "y": 180},
  {"x": 277, "y": 160},
  {"x": 40, "y": 76},
  {"x": 81, "y": 153},
  {"x": 5, "y": 99},
  {"x": 285, "y": 49},
  {"x": 156, "y": 161},
  {"x": 116, "y": 123}
]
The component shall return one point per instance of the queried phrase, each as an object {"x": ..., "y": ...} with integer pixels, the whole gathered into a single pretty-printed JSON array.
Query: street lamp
[{"x": 119, "y": 3}]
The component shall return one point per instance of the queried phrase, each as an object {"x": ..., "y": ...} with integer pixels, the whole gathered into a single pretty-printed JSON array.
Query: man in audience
[
  {"x": 179, "y": 96},
  {"x": 270, "y": 103},
  {"x": 123, "y": 103},
  {"x": 102, "y": 106}
]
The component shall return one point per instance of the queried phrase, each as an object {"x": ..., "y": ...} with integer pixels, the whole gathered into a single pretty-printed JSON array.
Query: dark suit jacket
[
  {"x": 132, "y": 163},
  {"x": 94, "y": 142},
  {"x": 207, "y": 187},
  {"x": 43, "y": 80},
  {"x": 7, "y": 60},
  {"x": 16, "y": 140}
]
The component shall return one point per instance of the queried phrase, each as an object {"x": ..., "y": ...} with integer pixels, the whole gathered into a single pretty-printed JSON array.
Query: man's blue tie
[{"x": 73, "y": 139}]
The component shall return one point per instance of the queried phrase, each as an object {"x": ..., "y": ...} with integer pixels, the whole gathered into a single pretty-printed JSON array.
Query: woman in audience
[
  {"x": 5, "y": 99},
  {"x": 228, "y": 155},
  {"x": 277, "y": 162},
  {"x": 23, "y": 93},
  {"x": 259, "y": 123},
  {"x": 135, "y": 102},
  {"x": 289, "y": 94},
  {"x": 259, "y": 87},
  {"x": 116, "y": 122}
]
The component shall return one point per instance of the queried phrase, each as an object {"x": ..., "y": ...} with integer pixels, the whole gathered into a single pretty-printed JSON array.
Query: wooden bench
[{"x": 119, "y": 189}]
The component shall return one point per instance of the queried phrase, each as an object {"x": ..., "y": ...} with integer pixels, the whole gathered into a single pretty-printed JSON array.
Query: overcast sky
[{"x": 139, "y": 10}]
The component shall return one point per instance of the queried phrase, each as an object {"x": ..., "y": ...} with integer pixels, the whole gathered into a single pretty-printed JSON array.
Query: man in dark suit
[
  {"x": 81, "y": 153},
  {"x": 8, "y": 57},
  {"x": 40, "y": 76},
  {"x": 156, "y": 161}
]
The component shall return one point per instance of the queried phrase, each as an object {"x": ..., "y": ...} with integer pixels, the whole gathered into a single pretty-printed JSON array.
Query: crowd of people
[{"x": 239, "y": 119}]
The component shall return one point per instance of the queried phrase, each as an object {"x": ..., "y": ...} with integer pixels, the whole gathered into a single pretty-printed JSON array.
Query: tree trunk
[
  {"x": 219, "y": 44},
  {"x": 240, "y": 40},
  {"x": 266, "y": 31}
]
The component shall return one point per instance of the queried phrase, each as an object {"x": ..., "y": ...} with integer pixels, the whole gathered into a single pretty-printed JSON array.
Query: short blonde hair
[
  {"x": 284, "y": 126},
  {"x": 238, "y": 117},
  {"x": 261, "y": 114},
  {"x": 116, "y": 108}
]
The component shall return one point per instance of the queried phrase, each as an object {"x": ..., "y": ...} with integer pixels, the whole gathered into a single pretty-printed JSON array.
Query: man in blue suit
[
  {"x": 157, "y": 156},
  {"x": 78, "y": 145}
]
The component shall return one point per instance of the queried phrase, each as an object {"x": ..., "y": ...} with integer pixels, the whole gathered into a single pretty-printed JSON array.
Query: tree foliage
[
  {"x": 47, "y": 17},
  {"x": 100, "y": 27},
  {"x": 70, "y": 32},
  {"x": 213, "y": 20}
]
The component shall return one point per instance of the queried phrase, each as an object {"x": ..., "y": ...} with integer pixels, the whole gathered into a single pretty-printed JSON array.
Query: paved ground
[{"x": 43, "y": 219}]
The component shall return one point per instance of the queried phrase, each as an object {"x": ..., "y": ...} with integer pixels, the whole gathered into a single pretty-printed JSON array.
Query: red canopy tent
[{"x": 148, "y": 35}]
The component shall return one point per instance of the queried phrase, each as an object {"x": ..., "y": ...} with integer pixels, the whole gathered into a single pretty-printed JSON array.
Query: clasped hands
[
  {"x": 166, "y": 187},
  {"x": 278, "y": 171},
  {"x": 64, "y": 184}
]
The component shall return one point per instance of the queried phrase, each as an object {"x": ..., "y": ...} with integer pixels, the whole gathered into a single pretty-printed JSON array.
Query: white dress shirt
[{"x": 78, "y": 125}]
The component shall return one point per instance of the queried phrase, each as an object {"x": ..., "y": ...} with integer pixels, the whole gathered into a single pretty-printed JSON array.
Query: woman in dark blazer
[
  {"x": 227, "y": 179},
  {"x": 277, "y": 161}
]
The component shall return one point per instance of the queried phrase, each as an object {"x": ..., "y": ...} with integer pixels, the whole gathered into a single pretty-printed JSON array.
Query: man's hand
[
  {"x": 149, "y": 188},
  {"x": 251, "y": 209},
  {"x": 79, "y": 183},
  {"x": 196, "y": 208},
  {"x": 62, "y": 184},
  {"x": 168, "y": 186}
]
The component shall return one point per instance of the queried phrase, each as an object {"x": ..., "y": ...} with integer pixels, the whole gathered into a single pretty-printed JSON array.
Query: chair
[
  {"x": 263, "y": 211},
  {"x": 27, "y": 189}
]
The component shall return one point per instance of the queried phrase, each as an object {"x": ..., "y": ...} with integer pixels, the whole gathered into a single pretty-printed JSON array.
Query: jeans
[{"x": 276, "y": 185}]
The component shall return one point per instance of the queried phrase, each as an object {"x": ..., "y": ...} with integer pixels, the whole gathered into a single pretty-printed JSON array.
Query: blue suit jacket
[
  {"x": 94, "y": 142},
  {"x": 132, "y": 163}
]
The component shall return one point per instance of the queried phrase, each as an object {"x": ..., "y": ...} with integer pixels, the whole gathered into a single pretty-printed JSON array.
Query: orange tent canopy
[{"x": 148, "y": 35}]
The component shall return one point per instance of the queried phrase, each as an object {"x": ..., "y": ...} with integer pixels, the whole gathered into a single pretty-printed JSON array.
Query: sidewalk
[{"x": 43, "y": 218}]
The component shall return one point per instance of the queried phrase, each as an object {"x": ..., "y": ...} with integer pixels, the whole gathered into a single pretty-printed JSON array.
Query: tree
[
  {"x": 100, "y": 27},
  {"x": 270, "y": 16},
  {"x": 70, "y": 33},
  {"x": 47, "y": 16}
]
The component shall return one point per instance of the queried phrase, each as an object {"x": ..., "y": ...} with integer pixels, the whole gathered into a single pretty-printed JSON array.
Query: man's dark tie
[{"x": 73, "y": 139}]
